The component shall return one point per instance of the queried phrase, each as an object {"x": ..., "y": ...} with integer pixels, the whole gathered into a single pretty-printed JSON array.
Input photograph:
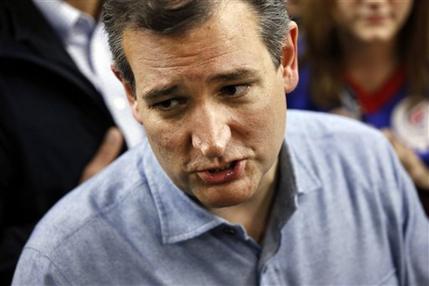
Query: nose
[
  {"x": 211, "y": 132},
  {"x": 374, "y": 4}
]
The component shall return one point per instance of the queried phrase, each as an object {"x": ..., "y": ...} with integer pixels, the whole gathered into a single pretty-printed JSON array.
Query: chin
[
  {"x": 224, "y": 196},
  {"x": 377, "y": 36}
]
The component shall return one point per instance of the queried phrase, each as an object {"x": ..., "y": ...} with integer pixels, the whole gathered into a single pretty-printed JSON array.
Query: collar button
[{"x": 229, "y": 230}]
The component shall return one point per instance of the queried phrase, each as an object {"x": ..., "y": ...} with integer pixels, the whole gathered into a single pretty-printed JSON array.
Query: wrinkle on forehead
[
  {"x": 217, "y": 46},
  {"x": 194, "y": 58},
  {"x": 192, "y": 45},
  {"x": 189, "y": 50}
]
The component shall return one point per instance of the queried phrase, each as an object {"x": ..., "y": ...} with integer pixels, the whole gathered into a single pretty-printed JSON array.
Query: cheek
[
  {"x": 265, "y": 124},
  {"x": 164, "y": 140},
  {"x": 167, "y": 142},
  {"x": 343, "y": 12},
  {"x": 403, "y": 11},
  {"x": 271, "y": 116},
  {"x": 168, "y": 147}
]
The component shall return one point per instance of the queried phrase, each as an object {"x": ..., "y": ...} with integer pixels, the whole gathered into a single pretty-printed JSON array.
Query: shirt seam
[
  {"x": 99, "y": 214},
  {"x": 54, "y": 265}
]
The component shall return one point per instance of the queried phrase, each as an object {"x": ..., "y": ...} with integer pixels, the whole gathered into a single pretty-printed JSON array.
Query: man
[
  {"x": 58, "y": 100},
  {"x": 216, "y": 196}
]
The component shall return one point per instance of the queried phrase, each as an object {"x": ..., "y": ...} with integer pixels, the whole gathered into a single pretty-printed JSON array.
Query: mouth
[
  {"x": 375, "y": 18},
  {"x": 229, "y": 172}
]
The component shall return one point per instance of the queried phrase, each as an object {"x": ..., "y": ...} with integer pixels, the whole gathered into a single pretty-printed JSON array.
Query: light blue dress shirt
[
  {"x": 345, "y": 213},
  {"x": 86, "y": 42}
]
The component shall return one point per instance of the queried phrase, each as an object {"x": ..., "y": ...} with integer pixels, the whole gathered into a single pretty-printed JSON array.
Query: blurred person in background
[
  {"x": 59, "y": 102},
  {"x": 293, "y": 9},
  {"x": 369, "y": 59}
]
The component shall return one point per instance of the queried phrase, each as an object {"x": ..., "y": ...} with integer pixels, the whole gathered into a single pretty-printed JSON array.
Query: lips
[
  {"x": 224, "y": 174},
  {"x": 375, "y": 18}
]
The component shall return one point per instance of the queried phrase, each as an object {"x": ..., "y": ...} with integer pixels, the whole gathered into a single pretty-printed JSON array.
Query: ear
[
  {"x": 290, "y": 58},
  {"x": 132, "y": 99}
]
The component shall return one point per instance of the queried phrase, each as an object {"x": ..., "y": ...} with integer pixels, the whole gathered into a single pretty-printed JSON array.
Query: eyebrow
[
  {"x": 238, "y": 74},
  {"x": 234, "y": 75},
  {"x": 160, "y": 91}
]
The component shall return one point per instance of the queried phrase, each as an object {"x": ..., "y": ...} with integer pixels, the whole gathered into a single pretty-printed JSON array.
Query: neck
[
  {"x": 253, "y": 214},
  {"x": 370, "y": 64},
  {"x": 90, "y": 7}
]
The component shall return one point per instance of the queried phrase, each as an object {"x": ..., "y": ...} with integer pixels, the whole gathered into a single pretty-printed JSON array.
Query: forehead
[{"x": 230, "y": 38}]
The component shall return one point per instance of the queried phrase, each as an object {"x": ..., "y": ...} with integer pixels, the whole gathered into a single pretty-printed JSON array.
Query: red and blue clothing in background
[{"x": 388, "y": 107}]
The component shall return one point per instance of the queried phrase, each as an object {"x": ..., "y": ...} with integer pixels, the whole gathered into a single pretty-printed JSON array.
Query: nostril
[
  {"x": 211, "y": 142},
  {"x": 374, "y": 5}
]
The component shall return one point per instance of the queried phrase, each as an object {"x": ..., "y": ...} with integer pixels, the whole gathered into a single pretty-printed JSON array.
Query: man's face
[
  {"x": 372, "y": 20},
  {"x": 213, "y": 104}
]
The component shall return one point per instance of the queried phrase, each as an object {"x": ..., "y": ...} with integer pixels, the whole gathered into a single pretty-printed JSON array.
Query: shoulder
[
  {"x": 347, "y": 160},
  {"x": 94, "y": 204},
  {"x": 334, "y": 135},
  {"x": 338, "y": 148},
  {"x": 107, "y": 217},
  {"x": 318, "y": 125}
]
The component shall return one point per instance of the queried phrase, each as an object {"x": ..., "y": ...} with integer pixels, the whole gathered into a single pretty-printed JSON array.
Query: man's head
[
  {"x": 210, "y": 92},
  {"x": 176, "y": 16}
]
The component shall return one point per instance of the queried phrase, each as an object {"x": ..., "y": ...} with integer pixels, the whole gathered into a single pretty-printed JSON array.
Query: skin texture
[{"x": 223, "y": 100}]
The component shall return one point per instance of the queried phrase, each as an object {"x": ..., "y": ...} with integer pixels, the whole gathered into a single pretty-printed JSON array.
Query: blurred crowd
[{"x": 369, "y": 60}]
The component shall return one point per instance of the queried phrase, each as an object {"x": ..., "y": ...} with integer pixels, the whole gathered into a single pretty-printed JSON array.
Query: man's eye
[
  {"x": 169, "y": 104},
  {"x": 234, "y": 90}
]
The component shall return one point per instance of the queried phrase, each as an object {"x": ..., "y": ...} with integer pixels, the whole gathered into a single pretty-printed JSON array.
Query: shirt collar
[
  {"x": 283, "y": 206},
  {"x": 306, "y": 180},
  {"x": 64, "y": 18},
  {"x": 181, "y": 218},
  {"x": 286, "y": 190}
]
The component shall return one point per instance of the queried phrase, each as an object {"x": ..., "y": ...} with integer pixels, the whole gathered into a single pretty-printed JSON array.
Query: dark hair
[
  {"x": 173, "y": 17},
  {"x": 324, "y": 54}
]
